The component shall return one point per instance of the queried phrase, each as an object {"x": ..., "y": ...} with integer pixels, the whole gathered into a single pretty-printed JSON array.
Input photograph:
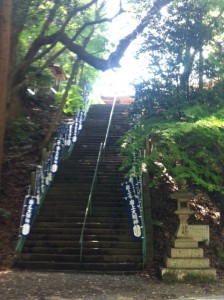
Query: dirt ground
[{"x": 26, "y": 285}]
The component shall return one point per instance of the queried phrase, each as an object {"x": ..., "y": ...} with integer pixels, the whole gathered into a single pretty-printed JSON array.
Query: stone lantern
[
  {"x": 182, "y": 196},
  {"x": 186, "y": 260}
]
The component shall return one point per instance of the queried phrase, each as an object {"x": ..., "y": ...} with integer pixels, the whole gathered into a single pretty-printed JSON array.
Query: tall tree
[
  {"x": 5, "y": 37},
  {"x": 43, "y": 31},
  {"x": 65, "y": 23},
  {"x": 177, "y": 47}
]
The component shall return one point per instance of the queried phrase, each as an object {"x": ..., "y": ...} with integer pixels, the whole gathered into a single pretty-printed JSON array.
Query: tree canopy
[
  {"x": 46, "y": 31},
  {"x": 71, "y": 33},
  {"x": 183, "y": 41},
  {"x": 180, "y": 108}
]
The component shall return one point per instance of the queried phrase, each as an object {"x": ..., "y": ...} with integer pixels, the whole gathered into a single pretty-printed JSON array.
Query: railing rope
[{"x": 89, "y": 203}]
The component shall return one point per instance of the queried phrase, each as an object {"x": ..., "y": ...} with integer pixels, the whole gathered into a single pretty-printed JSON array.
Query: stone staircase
[{"x": 108, "y": 243}]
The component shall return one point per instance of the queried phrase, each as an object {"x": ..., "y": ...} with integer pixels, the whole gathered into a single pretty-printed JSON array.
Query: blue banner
[
  {"x": 30, "y": 205},
  {"x": 131, "y": 195}
]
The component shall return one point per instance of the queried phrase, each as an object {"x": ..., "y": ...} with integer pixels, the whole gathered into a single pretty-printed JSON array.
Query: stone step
[
  {"x": 69, "y": 207},
  {"x": 76, "y": 231},
  {"x": 102, "y": 124},
  {"x": 80, "y": 157},
  {"x": 81, "y": 192},
  {"x": 100, "y": 127},
  {"x": 74, "y": 213},
  {"x": 185, "y": 275},
  {"x": 186, "y": 253},
  {"x": 110, "y": 174},
  {"x": 93, "y": 258},
  {"x": 88, "y": 244},
  {"x": 86, "y": 251},
  {"x": 85, "y": 185},
  {"x": 185, "y": 243},
  {"x": 66, "y": 206},
  {"x": 83, "y": 178},
  {"x": 81, "y": 168},
  {"x": 96, "y": 204},
  {"x": 91, "y": 150},
  {"x": 87, "y": 237},
  {"x": 69, "y": 224},
  {"x": 105, "y": 164},
  {"x": 120, "y": 116},
  {"x": 63, "y": 213},
  {"x": 100, "y": 132},
  {"x": 187, "y": 263},
  {"x": 105, "y": 220},
  {"x": 95, "y": 146},
  {"x": 109, "y": 201},
  {"x": 113, "y": 268},
  {"x": 104, "y": 115},
  {"x": 121, "y": 119},
  {"x": 112, "y": 140}
]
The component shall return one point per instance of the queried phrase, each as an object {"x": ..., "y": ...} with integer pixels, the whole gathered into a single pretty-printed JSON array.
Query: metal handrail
[
  {"x": 109, "y": 123},
  {"x": 89, "y": 203}
]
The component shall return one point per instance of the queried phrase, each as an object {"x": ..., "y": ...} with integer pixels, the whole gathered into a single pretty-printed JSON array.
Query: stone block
[
  {"x": 189, "y": 275},
  {"x": 186, "y": 253},
  {"x": 187, "y": 263},
  {"x": 199, "y": 233},
  {"x": 185, "y": 243}
]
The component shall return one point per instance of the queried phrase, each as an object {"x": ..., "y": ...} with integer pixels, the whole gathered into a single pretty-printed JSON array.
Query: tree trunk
[
  {"x": 16, "y": 96},
  {"x": 200, "y": 69},
  {"x": 5, "y": 37},
  {"x": 188, "y": 65},
  {"x": 56, "y": 118}
]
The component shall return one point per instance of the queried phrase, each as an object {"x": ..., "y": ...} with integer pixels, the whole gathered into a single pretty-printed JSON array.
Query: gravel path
[{"x": 26, "y": 285}]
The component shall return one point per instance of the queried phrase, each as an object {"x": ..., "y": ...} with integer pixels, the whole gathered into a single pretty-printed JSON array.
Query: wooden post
[
  {"x": 33, "y": 183},
  {"x": 147, "y": 208},
  {"x": 44, "y": 154},
  {"x": 44, "y": 157}
]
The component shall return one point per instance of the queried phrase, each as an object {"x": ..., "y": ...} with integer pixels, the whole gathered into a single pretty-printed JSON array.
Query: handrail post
[{"x": 33, "y": 183}]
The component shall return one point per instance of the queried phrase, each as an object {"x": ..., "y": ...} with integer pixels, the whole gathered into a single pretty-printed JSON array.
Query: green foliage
[
  {"x": 37, "y": 79},
  {"x": 185, "y": 124},
  {"x": 220, "y": 253},
  {"x": 4, "y": 214},
  {"x": 18, "y": 133},
  {"x": 188, "y": 140},
  {"x": 186, "y": 44},
  {"x": 35, "y": 47},
  {"x": 74, "y": 99}
]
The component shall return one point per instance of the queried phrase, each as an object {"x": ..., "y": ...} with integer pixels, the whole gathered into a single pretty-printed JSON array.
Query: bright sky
[{"x": 119, "y": 81}]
